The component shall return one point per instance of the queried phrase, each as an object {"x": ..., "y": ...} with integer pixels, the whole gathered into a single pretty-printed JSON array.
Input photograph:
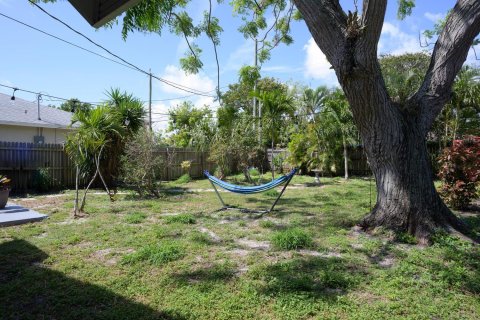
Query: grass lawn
[{"x": 175, "y": 258}]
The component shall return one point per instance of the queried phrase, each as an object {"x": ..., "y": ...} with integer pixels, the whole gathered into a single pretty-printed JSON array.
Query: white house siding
[{"x": 25, "y": 134}]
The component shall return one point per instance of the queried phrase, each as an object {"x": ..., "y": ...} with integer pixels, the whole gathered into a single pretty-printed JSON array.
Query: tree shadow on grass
[
  {"x": 319, "y": 277},
  {"x": 205, "y": 277},
  {"x": 29, "y": 290}
]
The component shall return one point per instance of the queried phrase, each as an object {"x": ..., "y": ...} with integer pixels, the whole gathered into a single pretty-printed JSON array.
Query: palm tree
[
  {"x": 86, "y": 144},
  {"x": 276, "y": 106},
  {"x": 99, "y": 140},
  {"x": 338, "y": 120},
  {"x": 129, "y": 114}
]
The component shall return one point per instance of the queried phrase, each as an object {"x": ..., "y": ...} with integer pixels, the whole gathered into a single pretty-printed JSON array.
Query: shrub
[
  {"x": 292, "y": 239},
  {"x": 185, "y": 178},
  {"x": 155, "y": 254},
  {"x": 141, "y": 165},
  {"x": 181, "y": 218},
  {"x": 460, "y": 172},
  {"x": 42, "y": 180}
]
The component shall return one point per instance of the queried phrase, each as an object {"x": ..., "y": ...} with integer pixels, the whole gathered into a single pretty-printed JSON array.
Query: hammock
[{"x": 249, "y": 190}]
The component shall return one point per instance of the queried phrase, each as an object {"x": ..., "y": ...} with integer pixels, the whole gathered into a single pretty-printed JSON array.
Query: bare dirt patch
[
  {"x": 253, "y": 244},
  {"x": 213, "y": 235}
]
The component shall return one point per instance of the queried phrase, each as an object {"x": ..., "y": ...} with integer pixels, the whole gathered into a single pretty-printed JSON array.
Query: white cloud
[
  {"x": 316, "y": 65},
  {"x": 242, "y": 55},
  {"x": 434, "y": 17},
  {"x": 394, "y": 41},
  {"x": 197, "y": 82}
]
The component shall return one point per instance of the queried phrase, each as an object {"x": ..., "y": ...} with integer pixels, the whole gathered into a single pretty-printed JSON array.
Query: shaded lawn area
[{"x": 175, "y": 258}]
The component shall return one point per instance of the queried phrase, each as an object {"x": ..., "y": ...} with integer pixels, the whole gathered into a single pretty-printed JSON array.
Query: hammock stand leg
[
  {"x": 218, "y": 195},
  {"x": 281, "y": 193}
]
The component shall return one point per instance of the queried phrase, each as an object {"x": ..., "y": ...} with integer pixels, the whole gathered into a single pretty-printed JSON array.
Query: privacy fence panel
[{"x": 24, "y": 162}]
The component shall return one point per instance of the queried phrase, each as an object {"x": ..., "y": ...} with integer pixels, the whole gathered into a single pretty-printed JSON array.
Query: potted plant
[{"x": 4, "y": 190}]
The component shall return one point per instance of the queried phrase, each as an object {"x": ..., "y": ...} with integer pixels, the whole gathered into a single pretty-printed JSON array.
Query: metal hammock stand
[{"x": 249, "y": 190}]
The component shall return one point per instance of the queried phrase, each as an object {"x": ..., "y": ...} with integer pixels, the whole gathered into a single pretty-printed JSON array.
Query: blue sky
[{"x": 33, "y": 61}]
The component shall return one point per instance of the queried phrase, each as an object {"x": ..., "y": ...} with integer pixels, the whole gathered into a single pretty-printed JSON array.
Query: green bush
[
  {"x": 155, "y": 254},
  {"x": 460, "y": 172},
  {"x": 292, "y": 239},
  {"x": 135, "y": 217},
  {"x": 181, "y": 218},
  {"x": 185, "y": 178},
  {"x": 42, "y": 180}
]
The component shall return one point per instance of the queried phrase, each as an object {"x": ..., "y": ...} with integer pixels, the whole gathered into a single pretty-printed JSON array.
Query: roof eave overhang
[
  {"x": 99, "y": 12},
  {"x": 35, "y": 125}
]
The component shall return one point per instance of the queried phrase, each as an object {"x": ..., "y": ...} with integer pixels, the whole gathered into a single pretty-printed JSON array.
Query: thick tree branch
[
  {"x": 449, "y": 54},
  {"x": 372, "y": 21},
  {"x": 327, "y": 23}
]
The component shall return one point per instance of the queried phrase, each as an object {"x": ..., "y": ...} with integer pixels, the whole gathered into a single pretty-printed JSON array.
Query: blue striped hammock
[{"x": 249, "y": 190}]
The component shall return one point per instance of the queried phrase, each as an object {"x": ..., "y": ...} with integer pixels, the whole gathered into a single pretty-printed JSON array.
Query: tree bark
[{"x": 394, "y": 135}]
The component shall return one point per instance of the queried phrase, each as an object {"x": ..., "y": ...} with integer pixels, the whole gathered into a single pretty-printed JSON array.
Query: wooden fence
[{"x": 21, "y": 162}]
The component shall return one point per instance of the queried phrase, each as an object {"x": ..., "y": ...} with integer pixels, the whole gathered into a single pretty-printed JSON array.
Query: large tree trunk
[
  {"x": 394, "y": 135},
  {"x": 406, "y": 196}
]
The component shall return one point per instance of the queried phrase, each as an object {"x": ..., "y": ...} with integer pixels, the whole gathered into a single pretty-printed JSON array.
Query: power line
[
  {"x": 38, "y": 93},
  {"x": 63, "y": 40},
  {"x": 168, "y": 82}
]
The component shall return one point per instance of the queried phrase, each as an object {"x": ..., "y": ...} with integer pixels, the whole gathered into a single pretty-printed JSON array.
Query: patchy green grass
[
  {"x": 155, "y": 254},
  {"x": 177, "y": 258},
  {"x": 185, "y": 218},
  {"x": 292, "y": 239},
  {"x": 135, "y": 217}
]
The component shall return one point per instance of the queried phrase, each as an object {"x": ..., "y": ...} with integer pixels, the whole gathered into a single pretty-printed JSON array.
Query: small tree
[
  {"x": 460, "y": 172},
  {"x": 141, "y": 164}
]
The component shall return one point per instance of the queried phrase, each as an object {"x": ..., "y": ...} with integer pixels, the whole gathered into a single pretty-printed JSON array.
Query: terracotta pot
[{"x": 4, "y": 197}]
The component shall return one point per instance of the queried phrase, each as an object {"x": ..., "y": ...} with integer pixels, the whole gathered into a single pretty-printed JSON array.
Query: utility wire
[
  {"x": 63, "y": 40},
  {"x": 168, "y": 82},
  {"x": 36, "y": 93}
]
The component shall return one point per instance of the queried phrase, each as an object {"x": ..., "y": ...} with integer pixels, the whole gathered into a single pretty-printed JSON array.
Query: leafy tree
[
  {"x": 276, "y": 107},
  {"x": 141, "y": 164},
  {"x": 338, "y": 122},
  {"x": 73, "y": 105},
  {"x": 239, "y": 98},
  {"x": 394, "y": 133},
  {"x": 403, "y": 74},
  {"x": 187, "y": 121}
]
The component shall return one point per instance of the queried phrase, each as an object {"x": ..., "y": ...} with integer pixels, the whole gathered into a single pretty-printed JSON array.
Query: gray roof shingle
[{"x": 21, "y": 112}]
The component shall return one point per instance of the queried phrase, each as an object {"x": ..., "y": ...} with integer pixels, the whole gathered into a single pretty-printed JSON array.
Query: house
[{"x": 21, "y": 121}]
